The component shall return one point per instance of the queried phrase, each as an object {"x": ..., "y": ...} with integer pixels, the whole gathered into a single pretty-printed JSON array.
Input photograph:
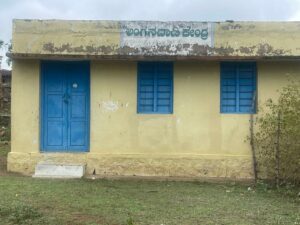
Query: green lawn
[{"x": 25, "y": 200}]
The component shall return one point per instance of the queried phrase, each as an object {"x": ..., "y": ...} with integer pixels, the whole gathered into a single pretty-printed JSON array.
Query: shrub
[{"x": 277, "y": 136}]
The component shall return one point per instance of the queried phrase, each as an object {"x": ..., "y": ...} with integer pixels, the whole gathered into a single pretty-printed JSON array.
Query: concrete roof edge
[
  {"x": 144, "y": 57},
  {"x": 198, "y": 21}
]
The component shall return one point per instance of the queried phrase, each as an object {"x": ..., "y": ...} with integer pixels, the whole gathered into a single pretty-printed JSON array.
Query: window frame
[
  {"x": 139, "y": 111},
  {"x": 237, "y": 64}
]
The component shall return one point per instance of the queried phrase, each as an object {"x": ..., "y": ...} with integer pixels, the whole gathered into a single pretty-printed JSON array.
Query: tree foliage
[
  {"x": 277, "y": 136},
  {"x": 8, "y": 47}
]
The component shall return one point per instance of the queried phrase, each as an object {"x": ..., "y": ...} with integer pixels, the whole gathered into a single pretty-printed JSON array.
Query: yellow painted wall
[
  {"x": 195, "y": 141},
  {"x": 25, "y": 106},
  {"x": 103, "y": 38},
  {"x": 195, "y": 127},
  {"x": 65, "y": 37},
  {"x": 258, "y": 38}
]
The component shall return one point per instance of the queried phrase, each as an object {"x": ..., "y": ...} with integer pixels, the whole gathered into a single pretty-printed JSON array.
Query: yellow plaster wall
[
  {"x": 24, "y": 114},
  {"x": 103, "y": 38},
  {"x": 277, "y": 75},
  {"x": 258, "y": 38},
  {"x": 195, "y": 141},
  {"x": 195, "y": 127},
  {"x": 25, "y": 106},
  {"x": 65, "y": 36}
]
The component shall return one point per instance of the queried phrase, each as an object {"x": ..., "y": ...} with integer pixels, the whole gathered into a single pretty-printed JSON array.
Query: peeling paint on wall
[
  {"x": 140, "y": 39},
  {"x": 109, "y": 106}
]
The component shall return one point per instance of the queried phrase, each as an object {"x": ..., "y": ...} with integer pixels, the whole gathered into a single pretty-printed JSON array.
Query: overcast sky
[{"x": 198, "y": 10}]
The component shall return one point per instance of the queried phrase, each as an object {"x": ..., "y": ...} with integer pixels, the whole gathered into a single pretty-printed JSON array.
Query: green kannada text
[{"x": 165, "y": 32}]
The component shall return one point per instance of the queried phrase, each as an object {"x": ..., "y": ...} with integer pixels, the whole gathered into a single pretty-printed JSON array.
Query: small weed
[
  {"x": 4, "y": 211},
  {"x": 130, "y": 221},
  {"x": 19, "y": 213}
]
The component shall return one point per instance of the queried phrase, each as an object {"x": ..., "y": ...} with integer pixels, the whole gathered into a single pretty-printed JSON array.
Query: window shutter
[
  {"x": 164, "y": 80},
  {"x": 228, "y": 87},
  {"x": 247, "y": 87},
  {"x": 146, "y": 86}
]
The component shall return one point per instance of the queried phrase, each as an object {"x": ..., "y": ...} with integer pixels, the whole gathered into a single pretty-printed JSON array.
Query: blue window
[
  {"x": 155, "y": 87},
  {"x": 238, "y": 87}
]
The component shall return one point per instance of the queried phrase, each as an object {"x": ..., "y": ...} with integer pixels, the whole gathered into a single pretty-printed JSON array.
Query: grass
[
  {"x": 24, "y": 200},
  {"x": 4, "y": 148},
  {"x": 38, "y": 201}
]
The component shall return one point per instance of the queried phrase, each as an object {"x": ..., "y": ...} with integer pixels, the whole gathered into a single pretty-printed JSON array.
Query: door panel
[
  {"x": 77, "y": 111},
  {"x": 55, "y": 133},
  {"x": 54, "y": 112},
  {"x": 77, "y": 134},
  {"x": 55, "y": 106},
  {"x": 65, "y": 106},
  {"x": 78, "y": 90}
]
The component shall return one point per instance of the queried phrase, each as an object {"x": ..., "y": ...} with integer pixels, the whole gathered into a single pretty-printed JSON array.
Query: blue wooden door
[{"x": 65, "y": 106}]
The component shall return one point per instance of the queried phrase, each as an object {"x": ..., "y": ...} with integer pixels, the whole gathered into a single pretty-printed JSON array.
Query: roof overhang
[
  {"x": 155, "y": 40},
  {"x": 147, "y": 57}
]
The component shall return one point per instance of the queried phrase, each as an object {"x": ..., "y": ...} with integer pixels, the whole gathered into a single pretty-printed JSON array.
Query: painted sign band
[
  {"x": 166, "y": 38},
  {"x": 165, "y": 32}
]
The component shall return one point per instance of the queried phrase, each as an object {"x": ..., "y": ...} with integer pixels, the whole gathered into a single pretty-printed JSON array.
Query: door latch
[{"x": 66, "y": 98}]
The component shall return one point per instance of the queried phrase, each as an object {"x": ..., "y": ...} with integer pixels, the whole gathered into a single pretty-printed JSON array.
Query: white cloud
[
  {"x": 296, "y": 15},
  {"x": 201, "y": 10}
]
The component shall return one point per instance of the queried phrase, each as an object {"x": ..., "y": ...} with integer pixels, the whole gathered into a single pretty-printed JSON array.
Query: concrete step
[{"x": 54, "y": 170}]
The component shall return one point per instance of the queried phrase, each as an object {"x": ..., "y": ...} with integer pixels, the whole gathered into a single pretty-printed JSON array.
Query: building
[
  {"x": 5, "y": 77},
  {"x": 144, "y": 98},
  {"x": 5, "y": 90}
]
